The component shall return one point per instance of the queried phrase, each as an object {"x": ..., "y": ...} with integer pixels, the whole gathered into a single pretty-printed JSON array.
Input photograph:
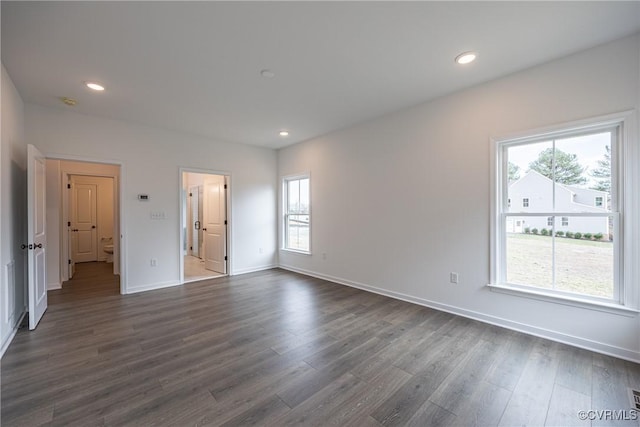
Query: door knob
[
  {"x": 39, "y": 245},
  {"x": 93, "y": 226},
  {"x": 204, "y": 229}
]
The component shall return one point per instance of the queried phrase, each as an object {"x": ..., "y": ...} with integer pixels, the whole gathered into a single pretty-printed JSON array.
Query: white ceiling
[{"x": 195, "y": 66}]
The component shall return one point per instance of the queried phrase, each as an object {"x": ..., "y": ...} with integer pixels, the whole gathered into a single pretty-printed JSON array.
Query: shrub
[
  {"x": 527, "y": 230},
  {"x": 578, "y": 235},
  {"x": 544, "y": 232},
  {"x": 534, "y": 230},
  {"x": 588, "y": 236},
  {"x": 559, "y": 233},
  {"x": 598, "y": 236},
  {"x": 569, "y": 234}
]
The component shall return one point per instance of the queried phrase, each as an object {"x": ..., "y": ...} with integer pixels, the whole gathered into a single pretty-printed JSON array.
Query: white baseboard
[
  {"x": 150, "y": 287},
  {"x": 252, "y": 269},
  {"x": 587, "y": 344},
  {"x": 12, "y": 334},
  {"x": 53, "y": 286}
]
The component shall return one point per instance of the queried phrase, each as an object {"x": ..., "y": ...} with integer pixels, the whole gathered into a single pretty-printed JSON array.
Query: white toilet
[{"x": 108, "y": 248}]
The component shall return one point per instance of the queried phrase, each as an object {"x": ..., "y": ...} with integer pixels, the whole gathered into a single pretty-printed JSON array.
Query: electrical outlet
[
  {"x": 453, "y": 277},
  {"x": 153, "y": 262}
]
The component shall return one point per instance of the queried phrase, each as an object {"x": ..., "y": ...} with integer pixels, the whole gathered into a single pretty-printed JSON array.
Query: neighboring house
[{"x": 533, "y": 193}]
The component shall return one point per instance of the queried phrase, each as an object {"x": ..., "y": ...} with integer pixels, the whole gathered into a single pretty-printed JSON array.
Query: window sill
[
  {"x": 295, "y": 251},
  {"x": 566, "y": 300}
]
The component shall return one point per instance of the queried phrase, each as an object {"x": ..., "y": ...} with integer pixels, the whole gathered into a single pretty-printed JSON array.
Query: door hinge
[
  {"x": 225, "y": 222},
  {"x": 190, "y": 194},
  {"x": 69, "y": 262},
  {"x": 68, "y": 223},
  {"x": 225, "y": 257},
  {"x": 225, "y": 186},
  {"x": 190, "y": 248},
  {"x": 69, "y": 186}
]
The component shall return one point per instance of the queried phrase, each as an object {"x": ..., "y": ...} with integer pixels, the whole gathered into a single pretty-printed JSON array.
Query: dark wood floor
[{"x": 277, "y": 348}]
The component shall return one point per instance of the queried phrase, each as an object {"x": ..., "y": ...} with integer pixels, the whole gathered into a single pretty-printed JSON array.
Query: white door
[
  {"x": 84, "y": 242},
  {"x": 37, "y": 237},
  {"x": 215, "y": 228},
  {"x": 195, "y": 227}
]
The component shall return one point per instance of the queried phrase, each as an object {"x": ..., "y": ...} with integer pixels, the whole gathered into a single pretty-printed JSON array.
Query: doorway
[
  {"x": 87, "y": 215},
  {"x": 204, "y": 225}
]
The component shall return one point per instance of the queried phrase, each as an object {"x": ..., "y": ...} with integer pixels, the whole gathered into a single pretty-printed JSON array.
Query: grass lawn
[{"x": 582, "y": 266}]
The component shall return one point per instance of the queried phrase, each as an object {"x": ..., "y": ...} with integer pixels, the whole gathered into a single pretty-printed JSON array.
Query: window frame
[
  {"x": 285, "y": 214},
  {"x": 624, "y": 205}
]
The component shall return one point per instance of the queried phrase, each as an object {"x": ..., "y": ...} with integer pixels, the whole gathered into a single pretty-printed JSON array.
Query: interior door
[
  {"x": 71, "y": 239},
  {"x": 83, "y": 221},
  {"x": 215, "y": 228},
  {"x": 37, "y": 236},
  {"x": 195, "y": 221}
]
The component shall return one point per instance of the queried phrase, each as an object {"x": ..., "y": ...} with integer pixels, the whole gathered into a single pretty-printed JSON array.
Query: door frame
[
  {"x": 182, "y": 214},
  {"x": 119, "y": 218}
]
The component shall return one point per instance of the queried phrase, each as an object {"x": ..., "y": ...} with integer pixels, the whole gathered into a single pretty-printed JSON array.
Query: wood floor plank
[{"x": 278, "y": 348}]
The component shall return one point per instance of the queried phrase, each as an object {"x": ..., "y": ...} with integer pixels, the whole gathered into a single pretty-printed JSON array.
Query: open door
[
  {"x": 215, "y": 228},
  {"x": 37, "y": 237}
]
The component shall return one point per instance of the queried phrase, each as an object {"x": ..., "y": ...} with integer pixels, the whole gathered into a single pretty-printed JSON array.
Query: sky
[{"x": 588, "y": 148}]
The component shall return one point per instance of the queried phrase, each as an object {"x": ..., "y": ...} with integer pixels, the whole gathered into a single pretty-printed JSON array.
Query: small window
[
  {"x": 525, "y": 203},
  {"x": 297, "y": 214},
  {"x": 550, "y": 221},
  {"x": 565, "y": 221},
  {"x": 599, "y": 202}
]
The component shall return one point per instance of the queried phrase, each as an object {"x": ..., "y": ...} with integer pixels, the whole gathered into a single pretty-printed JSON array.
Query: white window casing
[{"x": 623, "y": 214}]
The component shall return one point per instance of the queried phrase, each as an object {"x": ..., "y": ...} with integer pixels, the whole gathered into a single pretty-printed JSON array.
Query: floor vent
[{"x": 634, "y": 398}]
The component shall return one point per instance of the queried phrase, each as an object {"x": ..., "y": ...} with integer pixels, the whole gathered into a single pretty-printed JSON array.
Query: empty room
[{"x": 320, "y": 213}]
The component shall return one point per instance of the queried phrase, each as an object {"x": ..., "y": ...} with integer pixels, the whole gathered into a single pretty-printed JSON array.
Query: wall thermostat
[{"x": 143, "y": 197}]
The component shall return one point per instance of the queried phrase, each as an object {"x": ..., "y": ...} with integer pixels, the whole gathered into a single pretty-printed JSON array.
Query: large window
[
  {"x": 297, "y": 214},
  {"x": 568, "y": 243}
]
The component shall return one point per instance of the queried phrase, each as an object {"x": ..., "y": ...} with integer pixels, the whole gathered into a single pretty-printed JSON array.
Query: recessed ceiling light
[
  {"x": 267, "y": 74},
  {"x": 466, "y": 57},
  {"x": 284, "y": 133},
  {"x": 94, "y": 86}
]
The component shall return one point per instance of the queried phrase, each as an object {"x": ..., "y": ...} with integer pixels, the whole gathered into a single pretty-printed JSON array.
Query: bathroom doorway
[{"x": 204, "y": 225}]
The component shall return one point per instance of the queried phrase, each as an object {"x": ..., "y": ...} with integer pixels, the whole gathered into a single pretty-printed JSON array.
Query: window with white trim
[
  {"x": 599, "y": 201},
  {"x": 585, "y": 262},
  {"x": 297, "y": 213}
]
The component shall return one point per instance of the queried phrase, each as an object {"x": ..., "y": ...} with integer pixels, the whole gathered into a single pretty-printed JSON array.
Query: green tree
[
  {"x": 567, "y": 169},
  {"x": 602, "y": 173},
  {"x": 514, "y": 172}
]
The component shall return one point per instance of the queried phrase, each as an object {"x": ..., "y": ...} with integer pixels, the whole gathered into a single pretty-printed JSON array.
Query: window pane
[
  {"x": 583, "y": 172},
  {"x": 584, "y": 257},
  {"x": 530, "y": 190},
  {"x": 304, "y": 195},
  {"x": 297, "y": 228},
  {"x": 293, "y": 196},
  {"x": 529, "y": 256}
]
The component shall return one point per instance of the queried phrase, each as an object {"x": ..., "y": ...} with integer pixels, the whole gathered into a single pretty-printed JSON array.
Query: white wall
[
  {"x": 151, "y": 159},
  {"x": 400, "y": 202},
  {"x": 13, "y": 207}
]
